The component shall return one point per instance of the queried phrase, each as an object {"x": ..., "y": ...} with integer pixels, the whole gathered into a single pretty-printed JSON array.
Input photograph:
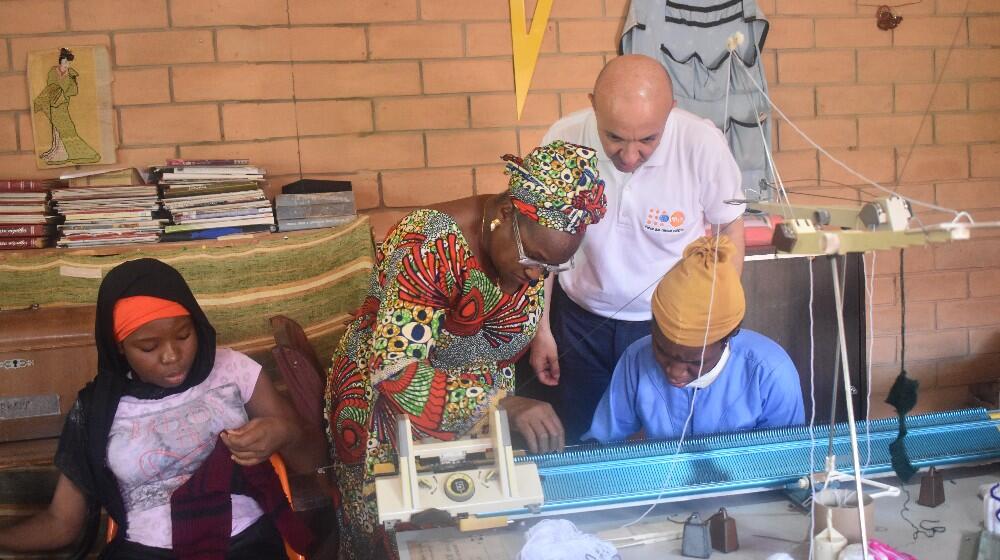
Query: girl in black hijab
[{"x": 147, "y": 426}]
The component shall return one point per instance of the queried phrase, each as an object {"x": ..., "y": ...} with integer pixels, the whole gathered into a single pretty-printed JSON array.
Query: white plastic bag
[{"x": 559, "y": 539}]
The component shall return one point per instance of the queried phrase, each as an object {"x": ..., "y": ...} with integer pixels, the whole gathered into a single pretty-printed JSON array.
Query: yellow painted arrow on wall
[{"x": 526, "y": 45}]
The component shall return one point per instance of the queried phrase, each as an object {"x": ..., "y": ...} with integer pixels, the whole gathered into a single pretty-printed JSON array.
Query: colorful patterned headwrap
[{"x": 558, "y": 186}]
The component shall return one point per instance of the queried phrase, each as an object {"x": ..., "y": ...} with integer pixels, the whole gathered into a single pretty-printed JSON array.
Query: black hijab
[
  {"x": 148, "y": 277},
  {"x": 82, "y": 453}
]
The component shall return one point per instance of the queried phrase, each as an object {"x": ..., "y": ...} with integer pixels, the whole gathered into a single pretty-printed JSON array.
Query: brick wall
[{"x": 412, "y": 100}]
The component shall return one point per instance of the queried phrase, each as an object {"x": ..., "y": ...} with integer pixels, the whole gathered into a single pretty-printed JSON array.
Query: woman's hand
[
  {"x": 255, "y": 442},
  {"x": 273, "y": 426},
  {"x": 537, "y": 422},
  {"x": 545, "y": 357}
]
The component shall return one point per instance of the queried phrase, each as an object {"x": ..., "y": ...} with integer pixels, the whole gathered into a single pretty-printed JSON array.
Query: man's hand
[
  {"x": 545, "y": 357},
  {"x": 255, "y": 441},
  {"x": 537, "y": 422}
]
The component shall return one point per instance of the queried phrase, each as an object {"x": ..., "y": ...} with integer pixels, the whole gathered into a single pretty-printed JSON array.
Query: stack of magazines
[
  {"x": 26, "y": 217},
  {"x": 113, "y": 209},
  {"x": 207, "y": 199},
  {"x": 314, "y": 203}
]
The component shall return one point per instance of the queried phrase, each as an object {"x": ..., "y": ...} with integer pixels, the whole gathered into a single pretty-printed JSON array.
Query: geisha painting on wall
[{"x": 71, "y": 106}]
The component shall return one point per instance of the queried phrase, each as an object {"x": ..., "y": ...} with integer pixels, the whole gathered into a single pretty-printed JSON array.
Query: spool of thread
[
  {"x": 829, "y": 542},
  {"x": 735, "y": 40}
]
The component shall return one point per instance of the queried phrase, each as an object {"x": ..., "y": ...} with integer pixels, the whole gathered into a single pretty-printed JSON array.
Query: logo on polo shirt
[{"x": 669, "y": 221}]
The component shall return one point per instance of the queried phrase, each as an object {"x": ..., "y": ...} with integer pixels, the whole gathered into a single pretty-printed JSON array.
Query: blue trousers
[{"x": 589, "y": 348}]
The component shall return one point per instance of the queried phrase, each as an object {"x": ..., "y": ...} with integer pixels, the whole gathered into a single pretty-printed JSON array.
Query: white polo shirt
[{"x": 653, "y": 212}]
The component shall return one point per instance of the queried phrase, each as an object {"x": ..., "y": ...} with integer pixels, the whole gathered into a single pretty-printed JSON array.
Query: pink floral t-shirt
[{"x": 155, "y": 445}]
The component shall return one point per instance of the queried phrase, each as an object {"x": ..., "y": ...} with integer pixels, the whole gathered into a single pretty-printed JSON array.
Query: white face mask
[{"x": 709, "y": 377}]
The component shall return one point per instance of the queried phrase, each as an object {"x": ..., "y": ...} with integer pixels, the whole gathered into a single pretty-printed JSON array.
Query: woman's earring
[{"x": 495, "y": 224}]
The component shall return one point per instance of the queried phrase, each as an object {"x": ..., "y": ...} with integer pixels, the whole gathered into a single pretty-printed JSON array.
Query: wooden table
[{"x": 767, "y": 523}]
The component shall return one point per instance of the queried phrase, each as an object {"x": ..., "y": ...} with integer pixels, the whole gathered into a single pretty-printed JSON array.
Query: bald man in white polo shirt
[{"x": 669, "y": 174}]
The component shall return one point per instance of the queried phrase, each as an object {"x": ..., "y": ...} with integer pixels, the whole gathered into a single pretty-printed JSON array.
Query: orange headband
[{"x": 133, "y": 312}]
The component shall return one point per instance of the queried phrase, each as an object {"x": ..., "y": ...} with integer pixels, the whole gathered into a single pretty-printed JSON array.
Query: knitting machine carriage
[{"x": 463, "y": 478}]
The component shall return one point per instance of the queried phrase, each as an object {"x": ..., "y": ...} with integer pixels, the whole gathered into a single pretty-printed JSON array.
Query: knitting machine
[
  {"x": 628, "y": 474},
  {"x": 634, "y": 473}
]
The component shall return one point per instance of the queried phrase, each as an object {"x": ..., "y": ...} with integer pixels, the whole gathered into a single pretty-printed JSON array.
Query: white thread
[
  {"x": 729, "y": 82},
  {"x": 782, "y": 193},
  {"x": 734, "y": 40},
  {"x": 870, "y": 294},
  {"x": 965, "y": 214},
  {"x": 812, "y": 416}
]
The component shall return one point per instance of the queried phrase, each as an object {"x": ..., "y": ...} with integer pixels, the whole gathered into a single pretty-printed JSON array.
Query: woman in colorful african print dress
[{"x": 453, "y": 301}]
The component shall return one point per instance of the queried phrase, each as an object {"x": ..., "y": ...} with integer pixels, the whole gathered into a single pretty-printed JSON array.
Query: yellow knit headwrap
[{"x": 681, "y": 300}]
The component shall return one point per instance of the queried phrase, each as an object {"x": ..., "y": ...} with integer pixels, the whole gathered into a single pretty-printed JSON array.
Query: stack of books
[
  {"x": 26, "y": 217},
  {"x": 311, "y": 204},
  {"x": 108, "y": 208},
  {"x": 207, "y": 199}
]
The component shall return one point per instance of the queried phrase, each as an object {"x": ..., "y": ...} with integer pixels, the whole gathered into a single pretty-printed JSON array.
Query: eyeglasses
[{"x": 525, "y": 260}]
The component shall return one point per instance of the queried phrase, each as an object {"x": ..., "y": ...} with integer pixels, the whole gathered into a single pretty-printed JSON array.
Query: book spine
[
  {"x": 215, "y": 169},
  {"x": 18, "y": 219},
  {"x": 8, "y": 210},
  {"x": 314, "y": 211},
  {"x": 202, "y": 214},
  {"x": 187, "y": 191},
  {"x": 23, "y": 185},
  {"x": 213, "y": 233},
  {"x": 24, "y": 230},
  {"x": 346, "y": 197},
  {"x": 316, "y": 186},
  {"x": 211, "y": 202},
  {"x": 167, "y": 177},
  {"x": 313, "y": 223},
  {"x": 4, "y": 202},
  {"x": 208, "y": 224},
  {"x": 8, "y": 243},
  {"x": 208, "y": 162}
]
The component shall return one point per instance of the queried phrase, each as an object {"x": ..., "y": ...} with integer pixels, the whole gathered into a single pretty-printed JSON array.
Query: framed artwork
[{"x": 71, "y": 115}]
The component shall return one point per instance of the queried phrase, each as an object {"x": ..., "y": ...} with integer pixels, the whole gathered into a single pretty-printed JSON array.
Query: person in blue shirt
[{"x": 736, "y": 378}]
